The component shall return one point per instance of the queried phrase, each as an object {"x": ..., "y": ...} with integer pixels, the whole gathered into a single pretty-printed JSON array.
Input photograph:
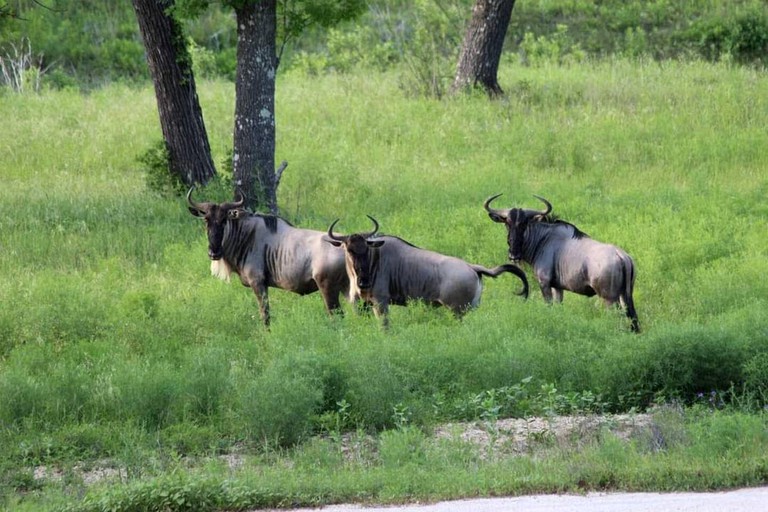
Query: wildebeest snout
[
  {"x": 364, "y": 282},
  {"x": 214, "y": 254}
]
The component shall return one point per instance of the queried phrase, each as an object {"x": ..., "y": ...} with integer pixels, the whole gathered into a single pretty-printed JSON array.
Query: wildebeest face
[
  {"x": 360, "y": 259},
  {"x": 216, "y": 217},
  {"x": 517, "y": 221}
]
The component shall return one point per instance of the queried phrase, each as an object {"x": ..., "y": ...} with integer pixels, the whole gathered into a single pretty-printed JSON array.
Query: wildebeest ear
[
  {"x": 236, "y": 213},
  {"x": 374, "y": 243},
  {"x": 195, "y": 212},
  {"x": 495, "y": 217},
  {"x": 335, "y": 243}
]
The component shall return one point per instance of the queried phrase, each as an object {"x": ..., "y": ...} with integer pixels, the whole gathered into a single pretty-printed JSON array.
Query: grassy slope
[{"x": 115, "y": 339}]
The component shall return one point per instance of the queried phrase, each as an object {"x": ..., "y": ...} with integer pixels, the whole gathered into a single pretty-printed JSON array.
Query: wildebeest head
[
  {"x": 360, "y": 259},
  {"x": 216, "y": 217},
  {"x": 517, "y": 221}
]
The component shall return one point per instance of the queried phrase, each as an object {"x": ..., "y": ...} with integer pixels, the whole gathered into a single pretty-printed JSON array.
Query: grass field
[{"x": 118, "y": 349}]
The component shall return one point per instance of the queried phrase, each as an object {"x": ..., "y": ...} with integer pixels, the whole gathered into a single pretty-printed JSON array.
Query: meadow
[{"x": 118, "y": 349}]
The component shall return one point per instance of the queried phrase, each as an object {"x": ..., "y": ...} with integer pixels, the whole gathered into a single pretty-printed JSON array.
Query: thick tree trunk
[
  {"x": 254, "y": 137},
  {"x": 481, "y": 50},
  {"x": 181, "y": 117}
]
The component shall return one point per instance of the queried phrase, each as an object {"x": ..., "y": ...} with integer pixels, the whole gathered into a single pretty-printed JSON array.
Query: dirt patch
[
  {"x": 522, "y": 436},
  {"x": 525, "y": 435}
]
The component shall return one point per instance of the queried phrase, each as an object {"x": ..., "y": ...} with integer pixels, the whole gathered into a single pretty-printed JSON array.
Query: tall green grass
[{"x": 115, "y": 341}]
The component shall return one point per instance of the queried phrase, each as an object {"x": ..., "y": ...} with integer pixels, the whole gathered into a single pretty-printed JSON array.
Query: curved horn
[
  {"x": 236, "y": 204},
  {"x": 493, "y": 211},
  {"x": 331, "y": 235},
  {"x": 549, "y": 206},
  {"x": 375, "y": 228},
  {"x": 197, "y": 206}
]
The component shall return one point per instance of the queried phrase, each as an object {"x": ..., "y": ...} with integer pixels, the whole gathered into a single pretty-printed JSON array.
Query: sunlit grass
[{"x": 116, "y": 343}]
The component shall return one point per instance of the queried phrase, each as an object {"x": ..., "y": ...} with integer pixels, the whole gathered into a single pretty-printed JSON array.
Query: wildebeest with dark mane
[
  {"x": 565, "y": 258},
  {"x": 388, "y": 270},
  {"x": 267, "y": 251}
]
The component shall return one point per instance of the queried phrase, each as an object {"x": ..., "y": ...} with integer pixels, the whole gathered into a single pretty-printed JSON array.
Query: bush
[
  {"x": 280, "y": 405},
  {"x": 742, "y": 37},
  {"x": 557, "y": 48},
  {"x": 756, "y": 376},
  {"x": 157, "y": 174}
]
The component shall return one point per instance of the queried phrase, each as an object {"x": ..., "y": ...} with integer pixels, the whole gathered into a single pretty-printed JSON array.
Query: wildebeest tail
[
  {"x": 629, "y": 287},
  {"x": 507, "y": 267}
]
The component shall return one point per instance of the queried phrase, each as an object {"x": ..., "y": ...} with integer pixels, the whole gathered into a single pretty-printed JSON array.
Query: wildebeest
[
  {"x": 267, "y": 251},
  {"x": 388, "y": 270},
  {"x": 564, "y": 258}
]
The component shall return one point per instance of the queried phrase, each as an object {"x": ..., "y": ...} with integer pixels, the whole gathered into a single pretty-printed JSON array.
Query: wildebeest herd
[{"x": 266, "y": 251}]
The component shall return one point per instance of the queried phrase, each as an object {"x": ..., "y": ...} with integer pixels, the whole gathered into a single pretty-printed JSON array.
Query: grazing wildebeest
[
  {"x": 267, "y": 251},
  {"x": 564, "y": 258},
  {"x": 389, "y": 270}
]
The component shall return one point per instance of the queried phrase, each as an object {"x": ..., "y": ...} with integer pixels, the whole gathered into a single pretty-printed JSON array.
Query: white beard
[{"x": 220, "y": 269}]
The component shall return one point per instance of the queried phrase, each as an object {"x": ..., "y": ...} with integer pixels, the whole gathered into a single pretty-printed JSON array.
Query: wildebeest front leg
[
  {"x": 558, "y": 295},
  {"x": 262, "y": 297},
  {"x": 332, "y": 303},
  {"x": 381, "y": 310}
]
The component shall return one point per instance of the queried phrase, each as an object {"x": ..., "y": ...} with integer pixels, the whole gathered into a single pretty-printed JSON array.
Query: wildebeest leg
[
  {"x": 260, "y": 290},
  {"x": 332, "y": 303},
  {"x": 629, "y": 307},
  {"x": 629, "y": 310},
  {"x": 364, "y": 307},
  {"x": 381, "y": 310},
  {"x": 546, "y": 291},
  {"x": 558, "y": 294}
]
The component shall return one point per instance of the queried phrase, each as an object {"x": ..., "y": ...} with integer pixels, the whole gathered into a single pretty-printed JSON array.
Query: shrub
[
  {"x": 756, "y": 376},
  {"x": 555, "y": 49},
  {"x": 157, "y": 175},
  {"x": 742, "y": 37},
  {"x": 279, "y": 406}
]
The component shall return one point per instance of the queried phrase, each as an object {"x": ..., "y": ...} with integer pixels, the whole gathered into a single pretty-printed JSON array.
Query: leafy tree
[{"x": 258, "y": 57}]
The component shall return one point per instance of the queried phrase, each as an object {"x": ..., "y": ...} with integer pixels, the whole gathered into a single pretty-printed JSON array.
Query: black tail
[
  {"x": 507, "y": 267},
  {"x": 629, "y": 287}
]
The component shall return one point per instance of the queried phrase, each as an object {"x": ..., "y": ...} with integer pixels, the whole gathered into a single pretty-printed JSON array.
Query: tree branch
[{"x": 279, "y": 173}]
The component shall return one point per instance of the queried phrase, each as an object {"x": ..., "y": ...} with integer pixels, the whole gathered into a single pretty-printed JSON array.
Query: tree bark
[
  {"x": 181, "y": 117},
  {"x": 254, "y": 134},
  {"x": 481, "y": 51}
]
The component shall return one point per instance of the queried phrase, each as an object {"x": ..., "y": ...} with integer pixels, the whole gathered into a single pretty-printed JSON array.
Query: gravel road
[{"x": 746, "y": 500}]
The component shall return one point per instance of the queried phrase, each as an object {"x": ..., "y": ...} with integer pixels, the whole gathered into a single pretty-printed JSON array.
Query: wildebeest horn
[
  {"x": 197, "y": 206},
  {"x": 236, "y": 204},
  {"x": 375, "y": 228},
  {"x": 331, "y": 235},
  {"x": 500, "y": 213},
  {"x": 549, "y": 205}
]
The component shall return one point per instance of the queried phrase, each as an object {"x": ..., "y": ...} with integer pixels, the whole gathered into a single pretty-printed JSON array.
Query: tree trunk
[
  {"x": 481, "y": 50},
  {"x": 181, "y": 117},
  {"x": 254, "y": 138}
]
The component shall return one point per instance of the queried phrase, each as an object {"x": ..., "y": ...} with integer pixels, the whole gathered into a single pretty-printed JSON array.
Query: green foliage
[
  {"x": 157, "y": 175},
  {"x": 91, "y": 44},
  {"x": 557, "y": 49},
  {"x": 429, "y": 49},
  {"x": 741, "y": 36},
  {"x": 279, "y": 405},
  {"x": 118, "y": 348},
  {"x": 358, "y": 47},
  {"x": 756, "y": 375}
]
